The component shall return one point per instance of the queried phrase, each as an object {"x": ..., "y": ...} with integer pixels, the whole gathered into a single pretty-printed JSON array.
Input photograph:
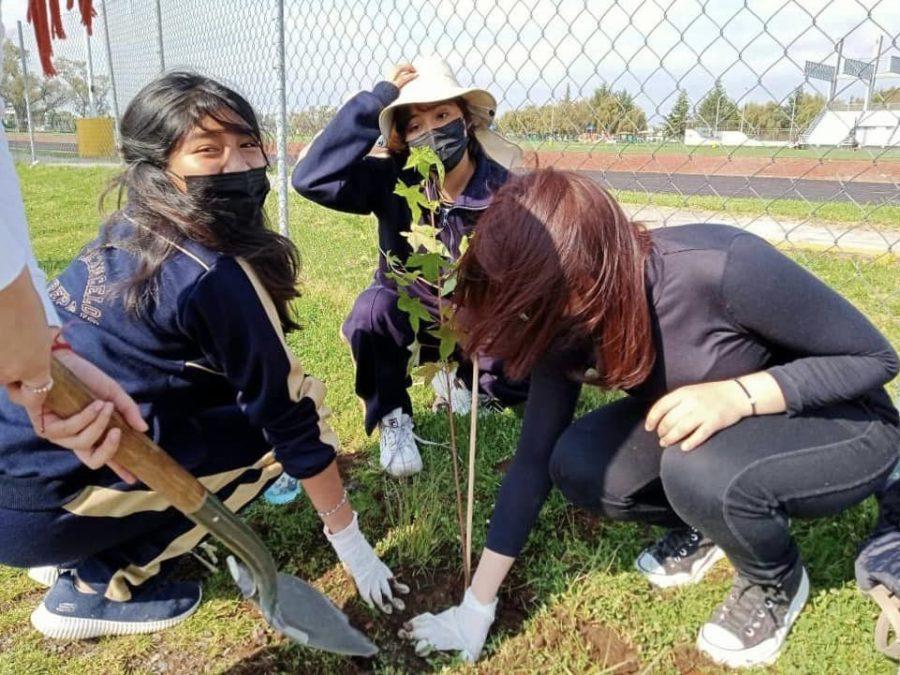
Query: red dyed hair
[{"x": 555, "y": 260}]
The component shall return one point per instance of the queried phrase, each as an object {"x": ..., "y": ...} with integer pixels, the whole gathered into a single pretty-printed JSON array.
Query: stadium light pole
[
  {"x": 832, "y": 92},
  {"x": 870, "y": 88}
]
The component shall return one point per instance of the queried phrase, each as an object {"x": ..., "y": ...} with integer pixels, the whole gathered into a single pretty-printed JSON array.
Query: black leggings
[{"x": 740, "y": 487}]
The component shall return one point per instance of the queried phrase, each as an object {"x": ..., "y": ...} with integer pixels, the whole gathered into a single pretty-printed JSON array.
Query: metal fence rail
[{"x": 780, "y": 117}]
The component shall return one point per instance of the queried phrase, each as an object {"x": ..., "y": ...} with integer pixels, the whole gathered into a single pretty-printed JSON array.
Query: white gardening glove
[
  {"x": 463, "y": 628},
  {"x": 372, "y": 577}
]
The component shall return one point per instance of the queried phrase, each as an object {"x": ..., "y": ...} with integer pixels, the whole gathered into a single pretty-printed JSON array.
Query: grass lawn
[{"x": 573, "y": 605}]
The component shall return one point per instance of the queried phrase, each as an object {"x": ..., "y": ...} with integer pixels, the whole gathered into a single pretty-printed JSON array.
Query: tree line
[
  {"x": 610, "y": 113},
  {"x": 55, "y": 102}
]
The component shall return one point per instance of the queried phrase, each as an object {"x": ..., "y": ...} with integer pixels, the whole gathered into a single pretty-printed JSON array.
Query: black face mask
[
  {"x": 232, "y": 198},
  {"x": 449, "y": 142}
]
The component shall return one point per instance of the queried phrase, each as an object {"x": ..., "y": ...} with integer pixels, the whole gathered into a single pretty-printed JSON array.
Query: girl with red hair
[{"x": 754, "y": 395}]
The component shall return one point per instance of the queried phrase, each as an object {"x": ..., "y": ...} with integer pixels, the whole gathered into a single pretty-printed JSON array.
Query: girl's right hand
[
  {"x": 404, "y": 73},
  {"x": 86, "y": 433},
  {"x": 461, "y": 629}
]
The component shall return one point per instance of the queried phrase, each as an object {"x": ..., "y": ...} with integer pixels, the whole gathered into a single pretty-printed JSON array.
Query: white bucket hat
[{"x": 436, "y": 82}]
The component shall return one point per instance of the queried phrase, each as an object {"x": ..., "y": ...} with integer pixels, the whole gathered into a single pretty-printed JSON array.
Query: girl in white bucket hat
[{"x": 421, "y": 104}]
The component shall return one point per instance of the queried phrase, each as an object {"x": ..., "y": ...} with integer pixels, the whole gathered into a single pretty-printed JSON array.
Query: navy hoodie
[
  {"x": 338, "y": 172},
  {"x": 208, "y": 355}
]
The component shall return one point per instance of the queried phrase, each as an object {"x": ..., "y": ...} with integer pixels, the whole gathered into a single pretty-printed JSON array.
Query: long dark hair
[
  {"x": 156, "y": 121},
  {"x": 555, "y": 261}
]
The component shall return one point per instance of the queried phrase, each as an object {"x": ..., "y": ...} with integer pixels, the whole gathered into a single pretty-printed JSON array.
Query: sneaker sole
[
  {"x": 695, "y": 576},
  {"x": 70, "y": 628},
  {"x": 765, "y": 653}
]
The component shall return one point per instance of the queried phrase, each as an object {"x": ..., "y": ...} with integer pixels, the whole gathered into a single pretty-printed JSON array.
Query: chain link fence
[{"x": 778, "y": 116}]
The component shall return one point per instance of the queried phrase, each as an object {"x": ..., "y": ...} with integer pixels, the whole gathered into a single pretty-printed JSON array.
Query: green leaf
[
  {"x": 448, "y": 340},
  {"x": 425, "y": 160},
  {"x": 403, "y": 277},
  {"x": 416, "y": 310},
  {"x": 428, "y": 371},
  {"x": 464, "y": 244},
  {"x": 415, "y": 350},
  {"x": 424, "y": 237},
  {"x": 449, "y": 285},
  {"x": 415, "y": 199},
  {"x": 429, "y": 263}
]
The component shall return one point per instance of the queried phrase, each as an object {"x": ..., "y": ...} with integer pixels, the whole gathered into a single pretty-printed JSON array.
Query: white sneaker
[
  {"x": 457, "y": 393},
  {"x": 399, "y": 453}
]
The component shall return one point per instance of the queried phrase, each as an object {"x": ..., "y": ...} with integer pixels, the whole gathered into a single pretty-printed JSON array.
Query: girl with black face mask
[
  {"x": 185, "y": 300},
  {"x": 421, "y": 105}
]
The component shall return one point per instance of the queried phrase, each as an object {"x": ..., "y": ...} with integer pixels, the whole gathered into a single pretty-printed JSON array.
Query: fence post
[
  {"x": 25, "y": 93},
  {"x": 112, "y": 77},
  {"x": 281, "y": 123},
  {"x": 92, "y": 102},
  {"x": 159, "y": 39}
]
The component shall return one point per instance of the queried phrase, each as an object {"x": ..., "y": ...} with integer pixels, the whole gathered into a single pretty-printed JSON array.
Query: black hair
[{"x": 157, "y": 120}]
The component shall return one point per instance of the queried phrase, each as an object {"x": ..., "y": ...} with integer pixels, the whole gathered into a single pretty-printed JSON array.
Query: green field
[
  {"x": 672, "y": 148},
  {"x": 574, "y": 605}
]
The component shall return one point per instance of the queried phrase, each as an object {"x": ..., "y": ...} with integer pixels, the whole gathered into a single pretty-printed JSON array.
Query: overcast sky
[{"x": 524, "y": 51}]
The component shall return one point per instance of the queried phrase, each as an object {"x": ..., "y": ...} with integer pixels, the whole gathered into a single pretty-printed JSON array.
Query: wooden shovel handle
[{"x": 137, "y": 453}]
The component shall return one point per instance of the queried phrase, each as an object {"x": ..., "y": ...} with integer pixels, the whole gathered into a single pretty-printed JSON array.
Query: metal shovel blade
[
  {"x": 302, "y": 608},
  {"x": 290, "y": 605},
  {"x": 302, "y": 613}
]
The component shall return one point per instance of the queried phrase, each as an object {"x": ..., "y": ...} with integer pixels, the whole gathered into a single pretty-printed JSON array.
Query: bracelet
[
  {"x": 747, "y": 394},
  {"x": 326, "y": 514},
  {"x": 43, "y": 389}
]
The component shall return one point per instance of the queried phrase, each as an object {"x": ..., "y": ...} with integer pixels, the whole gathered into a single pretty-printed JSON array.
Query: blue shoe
[
  {"x": 68, "y": 614},
  {"x": 283, "y": 491}
]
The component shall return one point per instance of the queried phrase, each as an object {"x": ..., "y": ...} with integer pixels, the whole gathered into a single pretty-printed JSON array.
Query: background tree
[
  {"x": 888, "y": 97},
  {"x": 46, "y": 96},
  {"x": 616, "y": 112},
  {"x": 310, "y": 120},
  {"x": 678, "y": 118},
  {"x": 73, "y": 74},
  {"x": 717, "y": 111},
  {"x": 800, "y": 109},
  {"x": 605, "y": 112}
]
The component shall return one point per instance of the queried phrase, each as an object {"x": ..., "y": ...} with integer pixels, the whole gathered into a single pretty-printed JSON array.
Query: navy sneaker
[
  {"x": 68, "y": 614},
  {"x": 283, "y": 491}
]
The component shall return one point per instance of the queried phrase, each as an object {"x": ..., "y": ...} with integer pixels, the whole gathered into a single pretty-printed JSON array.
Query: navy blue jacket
[
  {"x": 338, "y": 172},
  {"x": 210, "y": 352}
]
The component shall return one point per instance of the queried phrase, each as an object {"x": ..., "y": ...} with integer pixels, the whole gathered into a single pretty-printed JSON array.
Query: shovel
[{"x": 291, "y": 606}]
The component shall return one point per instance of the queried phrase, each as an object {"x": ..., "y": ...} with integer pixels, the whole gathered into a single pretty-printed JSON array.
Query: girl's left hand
[{"x": 694, "y": 413}]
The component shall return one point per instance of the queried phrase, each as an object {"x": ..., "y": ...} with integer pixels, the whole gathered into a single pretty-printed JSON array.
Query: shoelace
[
  {"x": 748, "y": 606},
  {"x": 676, "y": 544},
  {"x": 392, "y": 435}
]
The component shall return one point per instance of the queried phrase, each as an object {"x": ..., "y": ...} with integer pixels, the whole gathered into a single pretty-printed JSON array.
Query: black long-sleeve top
[{"x": 723, "y": 303}]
